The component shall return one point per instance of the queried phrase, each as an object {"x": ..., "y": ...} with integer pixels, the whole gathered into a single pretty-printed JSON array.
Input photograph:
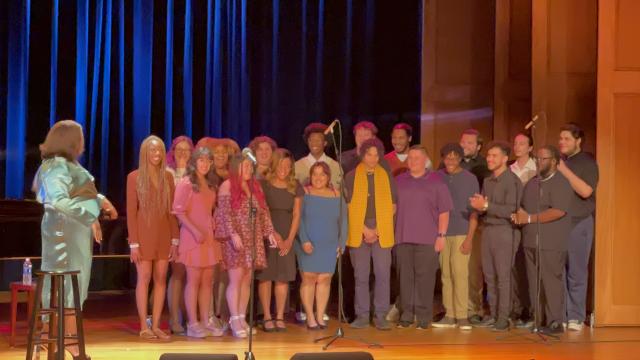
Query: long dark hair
[{"x": 192, "y": 173}]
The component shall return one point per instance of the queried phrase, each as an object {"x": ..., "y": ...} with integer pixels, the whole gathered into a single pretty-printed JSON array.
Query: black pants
[
  {"x": 499, "y": 245},
  {"x": 520, "y": 287},
  {"x": 416, "y": 266},
  {"x": 552, "y": 292}
]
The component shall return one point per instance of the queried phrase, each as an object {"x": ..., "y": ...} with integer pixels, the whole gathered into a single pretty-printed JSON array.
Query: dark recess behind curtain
[{"x": 252, "y": 67}]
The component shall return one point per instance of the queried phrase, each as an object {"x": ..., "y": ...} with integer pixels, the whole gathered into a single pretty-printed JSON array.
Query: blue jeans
[{"x": 580, "y": 242}]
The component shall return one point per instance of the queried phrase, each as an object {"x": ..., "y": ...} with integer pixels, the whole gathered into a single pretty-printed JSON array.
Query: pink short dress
[{"x": 198, "y": 207}]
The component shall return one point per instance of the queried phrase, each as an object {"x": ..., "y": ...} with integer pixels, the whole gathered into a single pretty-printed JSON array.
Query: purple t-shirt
[{"x": 420, "y": 201}]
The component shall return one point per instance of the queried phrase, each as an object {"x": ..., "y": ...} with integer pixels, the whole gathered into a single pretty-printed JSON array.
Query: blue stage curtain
[{"x": 223, "y": 68}]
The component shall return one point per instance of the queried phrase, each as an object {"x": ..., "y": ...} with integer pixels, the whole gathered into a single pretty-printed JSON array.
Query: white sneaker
[
  {"x": 325, "y": 317},
  {"x": 393, "y": 315},
  {"x": 301, "y": 317},
  {"x": 575, "y": 325},
  {"x": 196, "y": 331}
]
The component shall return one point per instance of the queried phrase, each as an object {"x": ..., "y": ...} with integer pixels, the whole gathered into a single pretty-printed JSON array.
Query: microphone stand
[
  {"x": 248, "y": 355},
  {"x": 339, "y": 334}
]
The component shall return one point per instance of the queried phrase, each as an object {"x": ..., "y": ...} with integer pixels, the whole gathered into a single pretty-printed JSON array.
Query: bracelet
[
  {"x": 175, "y": 242},
  {"x": 134, "y": 246},
  {"x": 528, "y": 219}
]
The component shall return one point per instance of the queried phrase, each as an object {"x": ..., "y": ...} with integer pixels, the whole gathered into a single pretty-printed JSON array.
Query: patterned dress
[{"x": 238, "y": 221}]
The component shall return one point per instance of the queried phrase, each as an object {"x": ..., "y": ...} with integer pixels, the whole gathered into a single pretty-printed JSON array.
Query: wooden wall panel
[
  {"x": 617, "y": 301},
  {"x": 512, "y": 104},
  {"x": 564, "y": 57},
  {"x": 457, "y": 70}
]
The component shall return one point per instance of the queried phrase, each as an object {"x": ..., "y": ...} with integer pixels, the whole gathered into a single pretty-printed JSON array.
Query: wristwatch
[{"x": 441, "y": 235}]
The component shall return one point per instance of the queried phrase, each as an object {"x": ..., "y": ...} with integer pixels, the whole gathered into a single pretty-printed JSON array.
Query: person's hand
[
  {"x": 135, "y": 255},
  {"x": 562, "y": 167},
  {"x": 97, "y": 231},
  {"x": 466, "y": 246},
  {"x": 439, "y": 245},
  {"x": 278, "y": 240},
  {"x": 110, "y": 211},
  {"x": 173, "y": 253},
  {"x": 338, "y": 251},
  {"x": 369, "y": 235},
  {"x": 198, "y": 236},
  {"x": 237, "y": 242},
  {"x": 285, "y": 247},
  {"x": 307, "y": 248},
  {"x": 478, "y": 202},
  {"x": 520, "y": 218}
]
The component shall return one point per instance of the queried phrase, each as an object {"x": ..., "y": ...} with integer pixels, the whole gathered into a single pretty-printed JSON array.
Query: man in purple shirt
[{"x": 422, "y": 218}]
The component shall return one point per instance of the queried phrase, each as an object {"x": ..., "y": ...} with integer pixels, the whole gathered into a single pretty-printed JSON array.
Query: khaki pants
[
  {"x": 476, "y": 278},
  {"x": 455, "y": 278}
]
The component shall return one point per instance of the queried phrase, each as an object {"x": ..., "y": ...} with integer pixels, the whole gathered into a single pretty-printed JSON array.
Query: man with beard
[
  {"x": 548, "y": 224},
  {"x": 401, "y": 136},
  {"x": 582, "y": 172},
  {"x": 500, "y": 239}
]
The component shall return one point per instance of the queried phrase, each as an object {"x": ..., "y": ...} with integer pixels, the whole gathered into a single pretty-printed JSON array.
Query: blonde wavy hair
[
  {"x": 151, "y": 198},
  {"x": 278, "y": 156}
]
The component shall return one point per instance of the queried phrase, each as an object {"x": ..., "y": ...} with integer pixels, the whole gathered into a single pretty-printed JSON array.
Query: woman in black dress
[{"x": 284, "y": 198}]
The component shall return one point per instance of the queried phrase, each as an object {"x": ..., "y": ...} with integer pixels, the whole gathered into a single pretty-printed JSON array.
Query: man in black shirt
[
  {"x": 548, "y": 224},
  {"x": 500, "y": 239},
  {"x": 582, "y": 172}
]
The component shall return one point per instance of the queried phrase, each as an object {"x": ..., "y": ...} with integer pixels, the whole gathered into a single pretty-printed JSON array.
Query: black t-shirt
[
  {"x": 556, "y": 193},
  {"x": 585, "y": 167}
]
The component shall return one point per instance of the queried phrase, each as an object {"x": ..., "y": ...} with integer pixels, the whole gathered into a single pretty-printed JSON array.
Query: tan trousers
[
  {"x": 476, "y": 278},
  {"x": 455, "y": 277}
]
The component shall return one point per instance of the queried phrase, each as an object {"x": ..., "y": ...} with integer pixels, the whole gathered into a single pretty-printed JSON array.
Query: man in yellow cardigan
[{"x": 371, "y": 195}]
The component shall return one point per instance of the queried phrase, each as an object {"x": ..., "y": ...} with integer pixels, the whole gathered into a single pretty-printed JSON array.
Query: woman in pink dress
[
  {"x": 199, "y": 252},
  {"x": 234, "y": 229}
]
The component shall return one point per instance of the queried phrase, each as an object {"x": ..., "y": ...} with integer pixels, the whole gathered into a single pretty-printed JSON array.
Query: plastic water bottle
[{"x": 26, "y": 271}]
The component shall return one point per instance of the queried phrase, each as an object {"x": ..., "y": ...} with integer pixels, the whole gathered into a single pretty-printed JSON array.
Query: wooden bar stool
[
  {"x": 57, "y": 312},
  {"x": 17, "y": 287}
]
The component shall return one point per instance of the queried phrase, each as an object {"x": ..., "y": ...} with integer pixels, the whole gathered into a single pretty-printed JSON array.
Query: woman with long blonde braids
[{"x": 153, "y": 230}]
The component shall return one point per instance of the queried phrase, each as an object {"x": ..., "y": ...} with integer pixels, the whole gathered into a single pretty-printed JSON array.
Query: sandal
[
  {"x": 279, "y": 328},
  {"x": 237, "y": 331},
  {"x": 246, "y": 326},
  {"x": 148, "y": 334},
  {"x": 161, "y": 334},
  {"x": 267, "y": 329}
]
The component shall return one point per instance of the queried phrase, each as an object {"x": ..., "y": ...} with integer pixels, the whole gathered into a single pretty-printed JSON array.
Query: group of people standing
[{"x": 208, "y": 215}]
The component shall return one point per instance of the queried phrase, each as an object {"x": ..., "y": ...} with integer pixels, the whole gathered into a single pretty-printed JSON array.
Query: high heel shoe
[{"x": 238, "y": 330}]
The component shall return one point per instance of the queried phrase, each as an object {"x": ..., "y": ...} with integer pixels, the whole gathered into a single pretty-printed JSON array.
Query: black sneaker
[
  {"x": 486, "y": 322},
  {"x": 555, "y": 328},
  {"x": 423, "y": 325},
  {"x": 404, "y": 324},
  {"x": 475, "y": 319},
  {"x": 501, "y": 325}
]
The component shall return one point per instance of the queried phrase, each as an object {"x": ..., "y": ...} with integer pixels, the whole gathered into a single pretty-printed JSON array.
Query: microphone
[
  {"x": 248, "y": 154},
  {"x": 330, "y": 128},
  {"x": 531, "y": 123}
]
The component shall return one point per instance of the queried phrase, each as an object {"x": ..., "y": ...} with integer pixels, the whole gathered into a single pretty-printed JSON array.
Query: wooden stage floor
[{"x": 112, "y": 335}]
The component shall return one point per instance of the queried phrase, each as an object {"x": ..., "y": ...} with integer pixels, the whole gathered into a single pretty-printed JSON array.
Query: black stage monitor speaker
[
  {"x": 176, "y": 356},
  {"x": 357, "y": 355}
]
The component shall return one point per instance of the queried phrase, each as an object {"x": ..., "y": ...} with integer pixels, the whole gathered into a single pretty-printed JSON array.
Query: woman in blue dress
[
  {"x": 71, "y": 209},
  {"x": 321, "y": 236}
]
